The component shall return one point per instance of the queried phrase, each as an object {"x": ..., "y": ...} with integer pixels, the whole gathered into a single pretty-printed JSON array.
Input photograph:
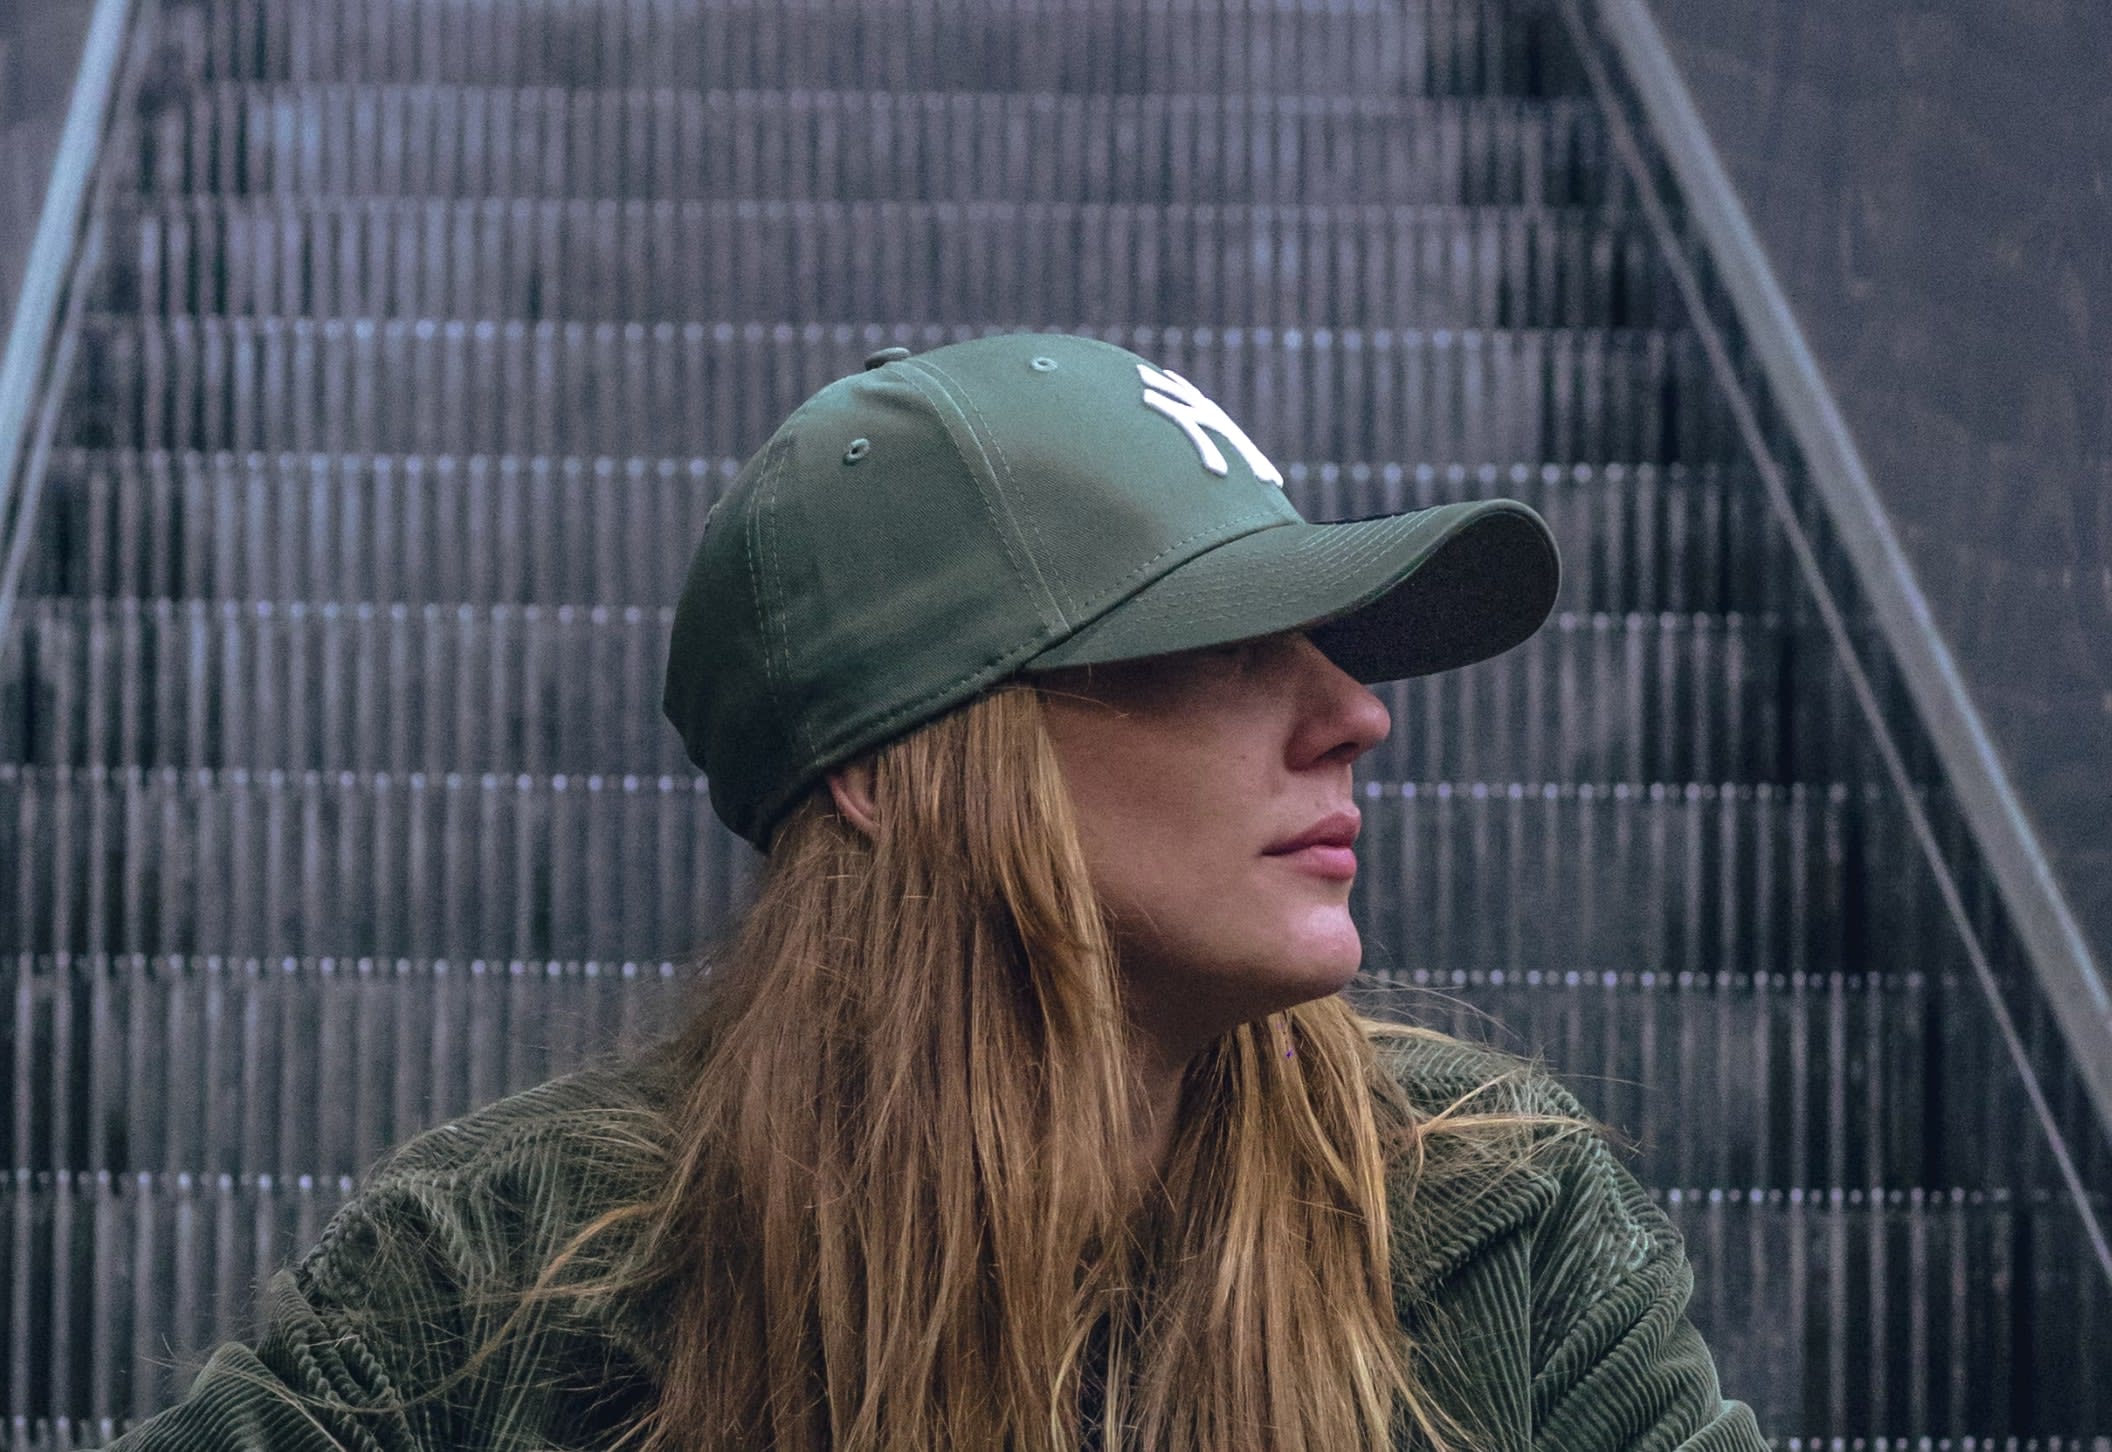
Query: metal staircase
[{"x": 334, "y": 796}]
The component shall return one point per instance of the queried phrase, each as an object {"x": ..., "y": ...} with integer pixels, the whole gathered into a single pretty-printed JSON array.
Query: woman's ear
[{"x": 852, "y": 786}]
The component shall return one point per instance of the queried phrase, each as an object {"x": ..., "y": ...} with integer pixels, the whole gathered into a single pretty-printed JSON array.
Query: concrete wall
[{"x": 1932, "y": 183}]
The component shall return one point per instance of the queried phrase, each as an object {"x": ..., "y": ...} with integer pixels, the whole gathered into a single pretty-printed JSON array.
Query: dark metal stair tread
[
  {"x": 1122, "y": 45},
  {"x": 179, "y": 965},
  {"x": 274, "y": 778},
  {"x": 1296, "y": 103},
  {"x": 1305, "y": 8},
  {"x": 1328, "y": 8},
  {"x": 1550, "y": 394},
  {"x": 1863, "y": 1033},
  {"x": 468, "y": 140},
  {"x": 160, "y": 966},
  {"x": 440, "y": 527},
  {"x": 502, "y": 688},
  {"x": 631, "y": 867},
  {"x": 1309, "y": 11},
  {"x": 799, "y": 261},
  {"x": 1686, "y": 1038},
  {"x": 441, "y": 613},
  {"x": 921, "y": 334},
  {"x": 1709, "y": 473},
  {"x": 130, "y": 208},
  {"x": 1890, "y": 1298},
  {"x": 1964, "y": 1200}
]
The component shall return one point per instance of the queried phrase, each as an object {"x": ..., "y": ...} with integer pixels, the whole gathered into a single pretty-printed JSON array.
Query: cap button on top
[{"x": 885, "y": 356}]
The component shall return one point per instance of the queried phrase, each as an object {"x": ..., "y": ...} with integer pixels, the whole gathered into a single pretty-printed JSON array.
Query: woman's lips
[{"x": 1337, "y": 863}]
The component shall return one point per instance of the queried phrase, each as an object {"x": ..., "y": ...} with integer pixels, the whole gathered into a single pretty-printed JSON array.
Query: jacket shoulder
[
  {"x": 1437, "y": 1071},
  {"x": 466, "y": 1215},
  {"x": 495, "y": 1193},
  {"x": 1470, "y": 1189},
  {"x": 1560, "y": 1286},
  {"x": 609, "y": 1101}
]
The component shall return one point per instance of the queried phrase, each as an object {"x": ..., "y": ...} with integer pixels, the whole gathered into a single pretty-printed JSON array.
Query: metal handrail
[
  {"x": 2061, "y": 959},
  {"x": 63, "y": 253}
]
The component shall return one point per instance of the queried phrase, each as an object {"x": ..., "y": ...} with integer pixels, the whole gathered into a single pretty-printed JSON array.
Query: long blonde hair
[{"x": 897, "y": 1197}]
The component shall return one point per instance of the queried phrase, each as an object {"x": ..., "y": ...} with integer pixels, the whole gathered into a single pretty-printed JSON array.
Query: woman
[{"x": 1022, "y": 1104}]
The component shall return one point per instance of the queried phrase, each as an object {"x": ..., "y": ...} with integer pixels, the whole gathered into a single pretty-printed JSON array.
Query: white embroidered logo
[{"x": 1198, "y": 417}]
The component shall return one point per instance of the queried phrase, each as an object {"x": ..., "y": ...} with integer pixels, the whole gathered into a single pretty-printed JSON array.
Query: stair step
[
  {"x": 315, "y": 1066},
  {"x": 471, "y": 141},
  {"x": 1745, "y": 877},
  {"x": 1441, "y": 47},
  {"x": 403, "y": 386},
  {"x": 619, "y": 531},
  {"x": 1909, "y": 1315},
  {"x": 576, "y": 690},
  {"x": 271, "y": 863},
  {"x": 949, "y": 262},
  {"x": 1762, "y": 1078},
  {"x": 297, "y": 1066},
  {"x": 1856, "y": 1309}
]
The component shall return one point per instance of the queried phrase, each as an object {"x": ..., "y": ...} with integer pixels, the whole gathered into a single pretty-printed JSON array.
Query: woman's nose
[
  {"x": 1346, "y": 710},
  {"x": 1367, "y": 721}
]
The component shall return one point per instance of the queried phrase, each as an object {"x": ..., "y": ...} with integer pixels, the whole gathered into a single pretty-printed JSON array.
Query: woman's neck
[{"x": 1160, "y": 1121}]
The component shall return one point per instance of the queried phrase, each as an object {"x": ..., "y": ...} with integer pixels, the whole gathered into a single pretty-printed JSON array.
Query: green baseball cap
[{"x": 920, "y": 531}]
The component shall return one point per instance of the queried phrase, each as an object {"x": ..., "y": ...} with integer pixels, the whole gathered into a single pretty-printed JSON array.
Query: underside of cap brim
[{"x": 1386, "y": 598}]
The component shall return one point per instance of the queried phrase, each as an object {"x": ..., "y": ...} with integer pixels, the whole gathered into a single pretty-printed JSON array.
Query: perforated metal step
[
  {"x": 537, "y": 529},
  {"x": 507, "y": 386},
  {"x": 467, "y": 141},
  {"x": 1347, "y": 47},
  {"x": 1937, "y": 1262},
  {"x": 802, "y": 262},
  {"x": 160, "y": 860},
  {"x": 438, "y": 688},
  {"x": 317, "y": 1065}
]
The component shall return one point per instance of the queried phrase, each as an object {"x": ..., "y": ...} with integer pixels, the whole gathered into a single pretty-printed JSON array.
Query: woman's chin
[{"x": 1323, "y": 952}]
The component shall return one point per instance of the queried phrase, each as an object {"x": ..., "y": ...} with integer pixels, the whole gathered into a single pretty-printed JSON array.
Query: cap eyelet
[
  {"x": 859, "y": 449},
  {"x": 1042, "y": 364}
]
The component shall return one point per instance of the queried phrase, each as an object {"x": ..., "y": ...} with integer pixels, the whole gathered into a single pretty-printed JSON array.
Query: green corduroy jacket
[{"x": 1564, "y": 1287}]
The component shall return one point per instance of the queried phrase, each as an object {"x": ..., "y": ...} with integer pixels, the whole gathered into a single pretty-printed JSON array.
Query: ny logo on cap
[{"x": 1198, "y": 417}]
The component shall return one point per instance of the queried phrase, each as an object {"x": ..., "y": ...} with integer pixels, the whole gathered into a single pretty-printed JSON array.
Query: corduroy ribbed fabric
[{"x": 1563, "y": 1287}]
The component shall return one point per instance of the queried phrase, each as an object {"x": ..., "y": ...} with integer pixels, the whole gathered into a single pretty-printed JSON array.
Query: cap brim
[{"x": 1386, "y": 598}]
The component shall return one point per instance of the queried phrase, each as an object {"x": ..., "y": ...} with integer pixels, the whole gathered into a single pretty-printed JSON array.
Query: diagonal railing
[
  {"x": 63, "y": 255},
  {"x": 1630, "y": 69}
]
